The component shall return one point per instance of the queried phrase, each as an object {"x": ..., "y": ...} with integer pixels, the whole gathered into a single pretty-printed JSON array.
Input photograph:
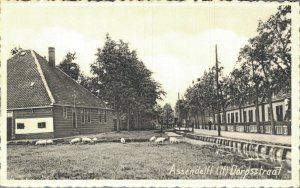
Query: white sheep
[
  {"x": 87, "y": 140},
  {"x": 160, "y": 140},
  {"x": 75, "y": 140},
  {"x": 95, "y": 139},
  {"x": 50, "y": 142},
  {"x": 174, "y": 140},
  {"x": 41, "y": 142},
  {"x": 152, "y": 139},
  {"x": 123, "y": 140}
]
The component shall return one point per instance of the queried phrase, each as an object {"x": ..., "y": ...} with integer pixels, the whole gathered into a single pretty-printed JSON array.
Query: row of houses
[
  {"x": 43, "y": 101},
  {"x": 244, "y": 119}
]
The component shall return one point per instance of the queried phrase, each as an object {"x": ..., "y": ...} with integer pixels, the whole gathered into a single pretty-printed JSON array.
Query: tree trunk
[
  {"x": 196, "y": 120},
  {"x": 135, "y": 120},
  {"x": 140, "y": 120},
  {"x": 224, "y": 117},
  {"x": 240, "y": 117},
  {"x": 118, "y": 121},
  {"x": 257, "y": 114},
  {"x": 244, "y": 121},
  {"x": 128, "y": 118},
  {"x": 271, "y": 115},
  {"x": 204, "y": 120},
  {"x": 263, "y": 116}
]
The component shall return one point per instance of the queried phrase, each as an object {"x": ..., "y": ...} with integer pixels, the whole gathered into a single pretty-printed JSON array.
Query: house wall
[
  {"x": 63, "y": 126},
  {"x": 30, "y": 118},
  {"x": 247, "y": 109},
  {"x": 31, "y": 125},
  {"x": 56, "y": 124},
  {"x": 277, "y": 103}
]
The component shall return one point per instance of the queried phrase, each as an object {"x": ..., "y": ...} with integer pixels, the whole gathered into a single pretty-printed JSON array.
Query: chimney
[{"x": 51, "y": 54}]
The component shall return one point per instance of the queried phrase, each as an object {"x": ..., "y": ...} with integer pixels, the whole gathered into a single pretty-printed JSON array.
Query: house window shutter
[
  {"x": 88, "y": 115},
  {"x": 82, "y": 116},
  {"x": 65, "y": 112},
  {"x": 100, "y": 115}
]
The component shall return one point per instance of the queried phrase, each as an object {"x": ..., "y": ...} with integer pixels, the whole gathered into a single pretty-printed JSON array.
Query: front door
[
  {"x": 9, "y": 128},
  {"x": 74, "y": 119}
]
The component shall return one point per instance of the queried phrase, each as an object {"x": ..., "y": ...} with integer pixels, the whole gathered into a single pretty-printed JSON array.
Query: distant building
[
  {"x": 244, "y": 119},
  {"x": 43, "y": 101}
]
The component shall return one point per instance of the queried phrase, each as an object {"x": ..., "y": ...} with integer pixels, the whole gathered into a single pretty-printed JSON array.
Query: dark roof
[{"x": 23, "y": 70}]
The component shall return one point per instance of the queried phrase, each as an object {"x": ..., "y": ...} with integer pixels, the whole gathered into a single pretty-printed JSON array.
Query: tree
[
  {"x": 168, "y": 114},
  {"x": 270, "y": 56},
  {"x": 69, "y": 66},
  {"x": 240, "y": 88},
  {"x": 124, "y": 81}
]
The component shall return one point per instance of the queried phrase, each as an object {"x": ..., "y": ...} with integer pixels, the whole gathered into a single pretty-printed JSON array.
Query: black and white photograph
[{"x": 122, "y": 92}]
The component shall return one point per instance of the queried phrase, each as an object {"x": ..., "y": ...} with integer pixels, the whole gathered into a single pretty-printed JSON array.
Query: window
[
  {"x": 100, "y": 115},
  {"x": 279, "y": 129},
  {"x": 20, "y": 125},
  {"x": 269, "y": 114},
  {"x": 250, "y": 115},
  {"x": 82, "y": 115},
  {"x": 42, "y": 125},
  {"x": 244, "y": 116},
  {"x": 228, "y": 118},
  {"x": 88, "y": 115},
  {"x": 104, "y": 116},
  {"x": 279, "y": 113},
  {"x": 232, "y": 118},
  {"x": 236, "y": 117},
  {"x": 65, "y": 112},
  {"x": 268, "y": 129},
  {"x": 221, "y": 118}
]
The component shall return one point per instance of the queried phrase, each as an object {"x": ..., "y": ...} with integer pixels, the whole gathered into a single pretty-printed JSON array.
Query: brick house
[{"x": 44, "y": 102}]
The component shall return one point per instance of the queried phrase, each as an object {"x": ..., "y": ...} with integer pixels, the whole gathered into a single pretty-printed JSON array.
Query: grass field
[{"x": 118, "y": 161}]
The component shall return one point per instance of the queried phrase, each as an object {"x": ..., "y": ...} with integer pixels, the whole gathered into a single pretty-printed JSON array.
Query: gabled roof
[
  {"x": 31, "y": 82},
  {"x": 21, "y": 73}
]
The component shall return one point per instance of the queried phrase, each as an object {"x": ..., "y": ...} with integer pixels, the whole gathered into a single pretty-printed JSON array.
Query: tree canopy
[
  {"x": 69, "y": 66},
  {"x": 263, "y": 68},
  {"x": 122, "y": 79}
]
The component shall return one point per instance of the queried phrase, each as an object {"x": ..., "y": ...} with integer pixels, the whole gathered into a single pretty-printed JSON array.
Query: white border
[{"x": 166, "y": 183}]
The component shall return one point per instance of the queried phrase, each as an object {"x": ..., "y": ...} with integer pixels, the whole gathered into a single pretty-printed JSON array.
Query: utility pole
[
  {"x": 74, "y": 115},
  {"x": 178, "y": 105},
  {"x": 217, "y": 80}
]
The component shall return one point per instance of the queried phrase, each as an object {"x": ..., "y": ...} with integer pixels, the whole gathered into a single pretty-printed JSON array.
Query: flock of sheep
[
  {"x": 85, "y": 140},
  {"x": 161, "y": 140}
]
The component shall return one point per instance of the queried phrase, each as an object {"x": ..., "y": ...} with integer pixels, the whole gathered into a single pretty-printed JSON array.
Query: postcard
[{"x": 161, "y": 94}]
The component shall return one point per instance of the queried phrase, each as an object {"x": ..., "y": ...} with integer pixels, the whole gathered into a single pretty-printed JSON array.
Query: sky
[{"x": 176, "y": 43}]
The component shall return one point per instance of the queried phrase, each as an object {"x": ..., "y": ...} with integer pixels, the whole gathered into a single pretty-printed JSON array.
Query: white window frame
[
  {"x": 100, "y": 115},
  {"x": 82, "y": 113},
  {"x": 65, "y": 112},
  {"x": 105, "y": 116}
]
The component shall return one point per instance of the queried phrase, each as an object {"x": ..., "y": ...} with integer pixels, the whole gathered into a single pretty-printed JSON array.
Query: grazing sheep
[
  {"x": 160, "y": 140},
  {"x": 123, "y": 140},
  {"x": 174, "y": 140},
  {"x": 95, "y": 139},
  {"x": 50, "y": 142},
  {"x": 87, "y": 140},
  {"x": 75, "y": 140},
  {"x": 41, "y": 142},
  {"x": 152, "y": 139}
]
